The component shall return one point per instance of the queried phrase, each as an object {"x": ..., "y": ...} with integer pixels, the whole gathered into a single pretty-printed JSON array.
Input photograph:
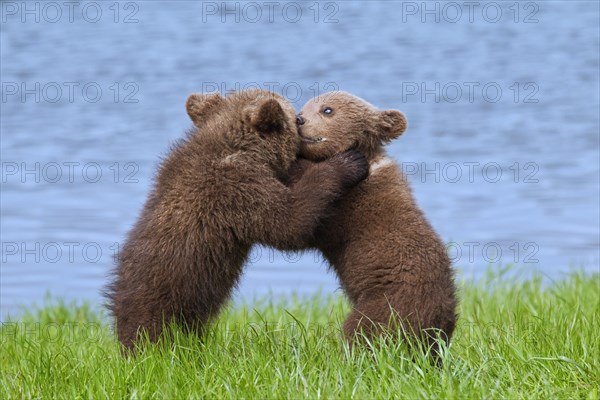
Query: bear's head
[
  {"x": 338, "y": 121},
  {"x": 257, "y": 123}
]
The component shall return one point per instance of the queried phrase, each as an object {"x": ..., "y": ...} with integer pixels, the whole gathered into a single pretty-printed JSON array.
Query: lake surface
[{"x": 502, "y": 149}]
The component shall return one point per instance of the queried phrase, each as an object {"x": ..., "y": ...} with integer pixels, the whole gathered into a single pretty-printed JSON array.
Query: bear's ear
[
  {"x": 199, "y": 106},
  {"x": 269, "y": 117},
  {"x": 391, "y": 124}
]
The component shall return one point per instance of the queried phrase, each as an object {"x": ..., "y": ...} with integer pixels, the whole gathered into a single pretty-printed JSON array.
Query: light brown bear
[
  {"x": 385, "y": 253},
  {"x": 216, "y": 194}
]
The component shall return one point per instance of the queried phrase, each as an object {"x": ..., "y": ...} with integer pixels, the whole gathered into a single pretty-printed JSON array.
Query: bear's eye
[{"x": 327, "y": 110}]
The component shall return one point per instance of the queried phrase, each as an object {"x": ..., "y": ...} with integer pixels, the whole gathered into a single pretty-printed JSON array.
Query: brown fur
[
  {"x": 215, "y": 195},
  {"x": 385, "y": 253}
]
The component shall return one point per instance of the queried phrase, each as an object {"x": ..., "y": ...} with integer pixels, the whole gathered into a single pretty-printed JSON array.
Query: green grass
[{"x": 514, "y": 339}]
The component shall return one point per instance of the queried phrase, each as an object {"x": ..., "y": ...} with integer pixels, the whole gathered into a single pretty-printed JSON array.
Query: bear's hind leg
[{"x": 387, "y": 318}]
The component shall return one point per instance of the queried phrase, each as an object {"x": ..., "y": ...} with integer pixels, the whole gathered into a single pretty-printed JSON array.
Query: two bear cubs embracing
[{"x": 236, "y": 181}]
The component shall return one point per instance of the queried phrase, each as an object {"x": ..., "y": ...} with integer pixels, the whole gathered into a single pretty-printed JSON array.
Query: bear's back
[{"x": 378, "y": 230}]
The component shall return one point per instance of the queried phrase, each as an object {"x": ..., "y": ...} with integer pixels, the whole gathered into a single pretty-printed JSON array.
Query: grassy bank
[{"x": 515, "y": 339}]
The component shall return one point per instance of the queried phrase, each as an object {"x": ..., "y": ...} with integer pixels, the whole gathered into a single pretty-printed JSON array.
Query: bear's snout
[{"x": 299, "y": 120}]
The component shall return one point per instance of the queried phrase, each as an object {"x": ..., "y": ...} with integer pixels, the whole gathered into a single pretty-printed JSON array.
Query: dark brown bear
[
  {"x": 385, "y": 253},
  {"x": 215, "y": 195}
]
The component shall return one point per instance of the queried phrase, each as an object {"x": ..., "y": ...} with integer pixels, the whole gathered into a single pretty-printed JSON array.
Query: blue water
[{"x": 502, "y": 149}]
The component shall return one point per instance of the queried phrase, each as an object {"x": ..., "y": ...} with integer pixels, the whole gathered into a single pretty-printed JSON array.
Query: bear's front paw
[{"x": 354, "y": 167}]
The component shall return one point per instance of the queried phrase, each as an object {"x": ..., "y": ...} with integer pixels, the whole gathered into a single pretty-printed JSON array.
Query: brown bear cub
[
  {"x": 217, "y": 193},
  {"x": 390, "y": 261}
]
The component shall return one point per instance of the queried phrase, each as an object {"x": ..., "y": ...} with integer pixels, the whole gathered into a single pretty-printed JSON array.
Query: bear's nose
[{"x": 299, "y": 120}]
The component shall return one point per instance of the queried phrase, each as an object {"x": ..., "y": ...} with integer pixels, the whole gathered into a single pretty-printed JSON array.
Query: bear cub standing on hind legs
[
  {"x": 390, "y": 262},
  {"x": 215, "y": 195}
]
